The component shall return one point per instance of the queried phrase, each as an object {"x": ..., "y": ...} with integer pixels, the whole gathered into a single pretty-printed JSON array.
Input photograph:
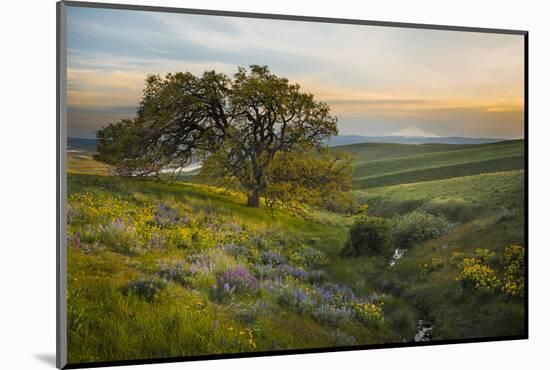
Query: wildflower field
[
  {"x": 161, "y": 269},
  {"x": 158, "y": 270}
]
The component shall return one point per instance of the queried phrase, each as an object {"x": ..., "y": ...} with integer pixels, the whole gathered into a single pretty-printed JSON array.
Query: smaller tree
[{"x": 369, "y": 236}]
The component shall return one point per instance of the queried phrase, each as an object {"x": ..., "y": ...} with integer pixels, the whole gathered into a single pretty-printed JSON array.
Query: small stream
[
  {"x": 424, "y": 330},
  {"x": 397, "y": 256}
]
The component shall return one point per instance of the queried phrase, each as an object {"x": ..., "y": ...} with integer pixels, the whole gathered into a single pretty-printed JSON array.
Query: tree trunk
[{"x": 254, "y": 199}]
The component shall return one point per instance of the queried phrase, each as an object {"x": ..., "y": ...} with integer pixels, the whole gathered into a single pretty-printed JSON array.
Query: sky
[{"x": 377, "y": 80}]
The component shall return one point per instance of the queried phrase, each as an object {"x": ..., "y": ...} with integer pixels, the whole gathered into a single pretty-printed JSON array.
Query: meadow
[{"x": 160, "y": 269}]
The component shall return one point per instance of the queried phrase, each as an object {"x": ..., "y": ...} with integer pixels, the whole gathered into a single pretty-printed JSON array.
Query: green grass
[
  {"x": 115, "y": 238},
  {"x": 374, "y": 151},
  {"x": 374, "y": 167},
  {"x": 459, "y": 312},
  {"x": 476, "y": 203},
  {"x": 443, "y": 172},
  {"x": 83, "y": 162},
  {"x": 460, "y": 199},
  {"x": 111, "y": 228}
]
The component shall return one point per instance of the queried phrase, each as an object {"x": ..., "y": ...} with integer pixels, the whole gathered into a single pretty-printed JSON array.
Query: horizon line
[{"x": 373, "y": 136}]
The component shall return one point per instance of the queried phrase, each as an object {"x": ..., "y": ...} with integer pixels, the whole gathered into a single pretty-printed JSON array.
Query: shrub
[
  {"x": 336, "y": 294},
  {"x": 334, "y": 316},
  {"x": 263, "y": 271},
  {"x": 296, "y": 298},
  {"x": 477, "y": 275},
  {"x": 369, "y": 236},
  {"x": 237, "y": 280},
  {"x": 272, "y": 258},
  {"x": 308, "y": 257},
  {"x": 175, "y": 270},
  {"x": 370, "y": 314},
  {"x": 248, "y": 313},
  {"x": 484, "y": 255},
  {"x": 119, "y": 237},
  {"x": 234, "y": 250},
  {"x": 201, "y": 263},
  {"x": 285, "y": 270},
  {"x": 513, "y": 261},
  {"x": 146, "y": 288},
  {"x": 416, "y": 227},
  {"x": 456, "y": 258}
]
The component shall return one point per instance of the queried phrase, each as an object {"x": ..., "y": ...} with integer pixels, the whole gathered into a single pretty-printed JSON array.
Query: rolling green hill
[
  {"x": 478, "y": 187},
  {"x": 378, "y": 165},
  {"x": 460, "y": 198},
  {"x": 137, "y": 232}
]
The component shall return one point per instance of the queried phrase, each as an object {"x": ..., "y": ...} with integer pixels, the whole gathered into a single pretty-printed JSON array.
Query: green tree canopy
[{"x": 256, "y": 130}]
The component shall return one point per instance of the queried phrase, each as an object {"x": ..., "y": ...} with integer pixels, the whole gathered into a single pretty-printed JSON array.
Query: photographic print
[{"x": 240, "y": 185}]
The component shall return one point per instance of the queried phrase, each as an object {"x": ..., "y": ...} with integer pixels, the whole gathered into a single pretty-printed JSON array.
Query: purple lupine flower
[
  {"x": 239, "y": 279},
  {"x": 166, "y": 216},
  {"x": 157, "y": 242},
  {"x": 118, "y": 225},
  {"x": 234, "y": 227},
  {"x": 288, "y": 270},
  {"x": 174, "y": 270},
  {"x": 234, "y": 249},
  {"x": 73, "y": 240},
  {"x": 272, "y": 258}
]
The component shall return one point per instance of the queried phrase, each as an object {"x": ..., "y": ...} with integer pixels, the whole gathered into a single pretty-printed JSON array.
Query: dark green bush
[
  {"x": 416, "y": 227},
  {"x": 369, "y": 236},
  {"x": 146, "y": 288}
]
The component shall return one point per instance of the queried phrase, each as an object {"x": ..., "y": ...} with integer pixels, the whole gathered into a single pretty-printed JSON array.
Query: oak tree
[{"x": 254, "y": 129}]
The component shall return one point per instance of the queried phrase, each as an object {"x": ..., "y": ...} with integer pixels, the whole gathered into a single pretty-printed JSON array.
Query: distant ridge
[
  {"x": 90, "y": 145},
  {"x": 357, "y": 139},
  {"x": 81, "y": 144}
]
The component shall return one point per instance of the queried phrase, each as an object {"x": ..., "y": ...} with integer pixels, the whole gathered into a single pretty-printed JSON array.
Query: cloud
[
  {"x": 111, "y": 81},
  {"x": 373, "y": 74}
]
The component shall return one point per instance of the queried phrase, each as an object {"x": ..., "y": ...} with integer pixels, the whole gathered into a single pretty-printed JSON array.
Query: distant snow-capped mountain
[{"x": 412, "y": 131}]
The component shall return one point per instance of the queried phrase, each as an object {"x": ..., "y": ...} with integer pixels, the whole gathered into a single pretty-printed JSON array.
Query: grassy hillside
[
  {"x": 374, "y": 151},
  {"x": 83, "y": 162},
  {"x": 389, "y": 164},
  {"x": 199, "y": 273},
  {"x": 459, "y": 199},
  {"x": 478, "y": 187},
  {"x": 488, "y": 211},
  {"x": 159, "y": 270}
]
